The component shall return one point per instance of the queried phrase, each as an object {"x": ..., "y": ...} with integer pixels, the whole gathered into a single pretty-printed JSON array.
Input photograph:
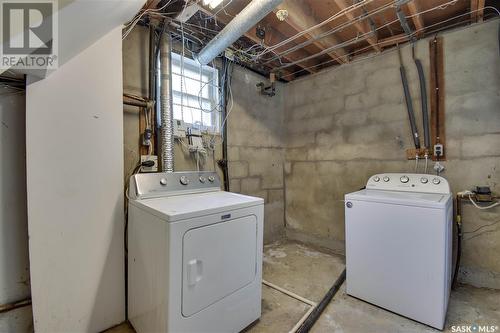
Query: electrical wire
[
  {"x": 361, "y": 37},
  {"x": 482, "y": 207},
  {"x": 131, "y": 24},
  {"x": 396, "y": 38},
  {"x": 337, "y": 15}
]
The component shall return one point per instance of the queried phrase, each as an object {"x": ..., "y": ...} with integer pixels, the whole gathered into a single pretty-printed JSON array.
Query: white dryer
[
  {"x": 194, "y": 254},
  {"x": 399, "y": 245}
]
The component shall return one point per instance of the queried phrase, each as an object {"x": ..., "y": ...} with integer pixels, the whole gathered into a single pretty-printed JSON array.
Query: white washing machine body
[
  {"x": 399, "y": 245},
  {"x": 194, "y": 254}
]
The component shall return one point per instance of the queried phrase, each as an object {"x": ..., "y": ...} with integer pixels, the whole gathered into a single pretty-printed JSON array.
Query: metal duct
[
  {"x": 247, "y": 18},
  {"x": 167, "y": 126}
]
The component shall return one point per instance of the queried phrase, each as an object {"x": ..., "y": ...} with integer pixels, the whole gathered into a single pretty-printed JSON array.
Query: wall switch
[
  {"x": 438, "y": 150},
  {"x": 153, "y": 158}
]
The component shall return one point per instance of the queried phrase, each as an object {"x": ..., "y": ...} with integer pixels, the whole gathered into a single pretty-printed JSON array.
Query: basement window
[{"x": 195, "y": 90}]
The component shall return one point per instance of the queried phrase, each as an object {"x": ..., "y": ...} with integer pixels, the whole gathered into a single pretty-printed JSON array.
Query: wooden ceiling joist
[
  {"x": 151, "y": 4},
  {"x": 301, "y": 17},
  {"x": 322, "y": 33},
  {"x": 477, "y": 10},
  {"x": 361, "y": 27},
  {"x": 416, "y": 18},
  {"x": 275, "y": 37}
]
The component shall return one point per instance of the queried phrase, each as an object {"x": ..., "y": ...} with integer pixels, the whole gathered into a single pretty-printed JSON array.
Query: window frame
[{"x": 213, "y": 91}]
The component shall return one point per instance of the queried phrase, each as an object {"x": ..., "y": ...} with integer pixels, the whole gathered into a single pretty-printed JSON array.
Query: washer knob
[
  {"x": 404, "y": 179},
  {"x": 202, "y": 179},
  {"x": 211, "y": 179},
  {"x": 436, "y": 181},
  {"x": 184, "y": 180},
  {"x": 424, "y": 180},
  {"x": 163, "y": 181},
  {"x": 376, "y": 179},
  {"x": 386, "y": 179}
]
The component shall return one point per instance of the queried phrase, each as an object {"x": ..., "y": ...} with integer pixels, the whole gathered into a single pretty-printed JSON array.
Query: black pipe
[
  {"x": 458, "y": 223},
  {"x": 409, "y": 104},
  {"x": 423, "y": 98},
  {"x": 224, "y": 162},
  {"x": 316, "y": 313}
]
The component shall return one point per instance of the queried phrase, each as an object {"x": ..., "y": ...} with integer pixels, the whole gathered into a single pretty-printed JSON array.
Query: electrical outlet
[
  {"x": 153, "y": 158},
  {"x": 179, "y": 129},
  {"x": 438, "y": 150}
]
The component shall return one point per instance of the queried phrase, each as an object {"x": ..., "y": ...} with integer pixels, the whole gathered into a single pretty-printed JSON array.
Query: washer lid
[
  {"x": 187, "y": 206},
  {"x": 433, "y": 200}
]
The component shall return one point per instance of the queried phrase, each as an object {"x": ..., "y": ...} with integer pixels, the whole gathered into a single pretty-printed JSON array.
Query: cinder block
[
  {"x": 233, "y": 153},
  {"x": 353, "y": 118},
  {"x": 235, "y": 185},
  {"x": 482, "y": 145},
  {"x": 250, "y": 185},
  {"x": 353, "y": 102},
  {"x": 276, "y": 196},
  {"x": 271, "y": 172},
  {"x": 238, "y": 169},
  {"x": 384, "y": 77}
]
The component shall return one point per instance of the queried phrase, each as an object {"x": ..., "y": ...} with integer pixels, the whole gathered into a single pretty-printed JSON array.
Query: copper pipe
[
  {"x": 14, "y": 305},
  {"x": 134, "y": 102}
]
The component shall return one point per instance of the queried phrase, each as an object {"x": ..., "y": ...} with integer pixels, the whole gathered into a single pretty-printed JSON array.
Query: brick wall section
[
  {"x": 344, "y": 125},
  {"x": 256, "y": 148}
]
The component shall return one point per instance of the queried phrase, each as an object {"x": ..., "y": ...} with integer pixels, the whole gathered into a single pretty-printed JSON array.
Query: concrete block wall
[
  {"x": 344, "y": 125},
  {"x": 256, "y": 148}
]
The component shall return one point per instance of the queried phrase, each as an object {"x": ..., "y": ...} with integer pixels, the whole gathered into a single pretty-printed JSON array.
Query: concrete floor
[{"x": 310, "y": 272}]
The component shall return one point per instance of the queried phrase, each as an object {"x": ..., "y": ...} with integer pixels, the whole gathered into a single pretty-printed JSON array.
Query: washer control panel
[
  {"x": 153, "y": 185},
  {"x": 409, "y": 182}
]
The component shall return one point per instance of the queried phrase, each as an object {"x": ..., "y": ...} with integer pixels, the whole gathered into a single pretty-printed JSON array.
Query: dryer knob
[
  {"x": 163, "y": 181},
  {"x": 184, "y": 180},
  {"x": 376, "y": 179},
  {"x": 436, "y": 181},
  {"x": 424, "y": 180},
  {"x": 404, "y": 179},
  {"x": 202, "y": 179},
  {"x": 211, "y": 179},
  {"x": 386, "y": 179}
]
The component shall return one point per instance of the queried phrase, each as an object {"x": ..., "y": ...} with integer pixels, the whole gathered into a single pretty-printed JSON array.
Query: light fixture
[
  {"x": 212, "y": 3},
  {"x": 282, "y": 14}
]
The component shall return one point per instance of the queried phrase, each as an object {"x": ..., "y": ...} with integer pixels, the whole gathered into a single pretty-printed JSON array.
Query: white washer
[
  {"x": 194, "y": 254},
  {"x": 399, "y": 245}
]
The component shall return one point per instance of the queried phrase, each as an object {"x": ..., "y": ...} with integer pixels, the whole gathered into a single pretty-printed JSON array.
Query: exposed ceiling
[{"x": 321, "y": 33}]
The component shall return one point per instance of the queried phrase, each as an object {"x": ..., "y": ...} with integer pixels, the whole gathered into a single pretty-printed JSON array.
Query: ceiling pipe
[{"x": 247, "y": 18}]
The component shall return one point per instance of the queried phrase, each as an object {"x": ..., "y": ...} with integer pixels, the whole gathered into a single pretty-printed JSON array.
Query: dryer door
[{"x": 218, "y": 260}]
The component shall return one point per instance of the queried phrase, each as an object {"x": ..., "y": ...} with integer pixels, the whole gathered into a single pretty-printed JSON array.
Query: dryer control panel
[
  {"x": 154, "y": 185},
  {"x": 409, "y": 182}
]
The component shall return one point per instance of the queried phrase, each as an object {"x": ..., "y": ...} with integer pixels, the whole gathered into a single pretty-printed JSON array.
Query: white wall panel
[{"x": 74, "y": 126}]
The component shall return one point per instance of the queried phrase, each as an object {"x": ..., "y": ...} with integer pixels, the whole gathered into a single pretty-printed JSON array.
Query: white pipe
[
  {"x": 289, "y": 293},
  {"x": 297, "y": 297},
  {"x": 247, "y": 18}
]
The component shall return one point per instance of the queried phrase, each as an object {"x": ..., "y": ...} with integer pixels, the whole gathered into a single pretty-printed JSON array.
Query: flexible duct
[
  {"x": 409, "y": 103},
  {"x": 423, "y": 97},
  {"x": 241, "y": 23},
  {"x": 167, "y": 126}
]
